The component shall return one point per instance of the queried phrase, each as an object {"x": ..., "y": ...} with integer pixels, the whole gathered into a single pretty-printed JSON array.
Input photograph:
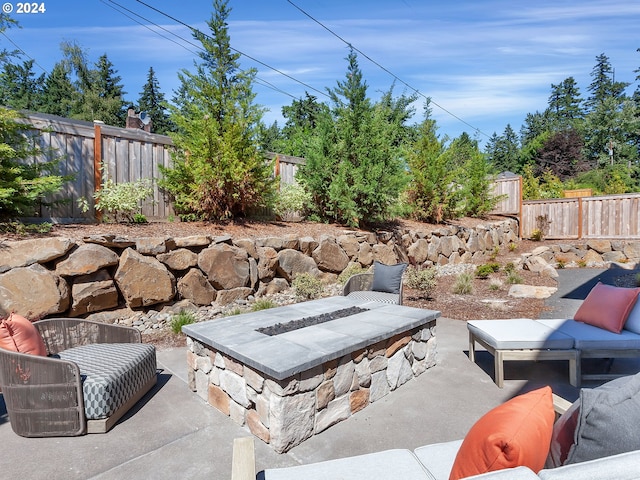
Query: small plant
[
  {"x": 637, "y": 279},
  {"x": 421, "y": 279},
  {"x": 542, "y": 225},
  {"x": 351, "y": 270},
  {"x": 537, "y": 235},
  {"x": 181, "y": 319},
  {"x": 463, "y": 284},
  {"x": 495, "y": 285},
  {"x": 509, "y": 267},
  {"x": 513, "y": 278},
  {"x": 513, "y": 246},
  {"x": 560, "y": 263},
  {"x": 262, "y": 304},
  {"x": 235, "y": 311},
  {"x": 494, "y": 252},
  {"x": 139, "y": 218},
  {"x": 20, "y": 228},
  {"x": 291, "y": 201},
  {"x": 582, "y": 263},
  {"x": 119, "y": 199},
  {"x": 483, "y": 271},
  {"x": 307, "y": 286}
]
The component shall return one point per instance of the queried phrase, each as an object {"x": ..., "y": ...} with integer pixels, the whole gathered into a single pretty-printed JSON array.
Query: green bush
[
  {"x": 463, "y": 284},
  {"x": 292, "y": 200},
  {"x": 181, "y": 319},
  {"x": 513, "y": 278},
  {"x": 421, "y": 279},
  {"x": 483, "y": 271},
  {"x": 120, "y": 199},
  {"x": 307, "y": 286}
]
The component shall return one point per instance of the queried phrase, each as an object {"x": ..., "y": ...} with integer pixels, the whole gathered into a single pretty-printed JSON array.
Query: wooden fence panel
[
  {"x": 511, "y": 189},
  {"x": 611, "y": 216},
  {"x": 562, "y": 215}
]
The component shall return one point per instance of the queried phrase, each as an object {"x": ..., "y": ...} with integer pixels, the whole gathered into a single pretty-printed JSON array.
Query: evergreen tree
[
  {"x": 603, "y": 84},
  {"x": 364, "y": 170},
  {"x": 152, "y": 101},
  {"x": 301, "y": 117},
  {"x": 565, "y": 104},
  {"x": 6, "y": 22},
  {"x": 20, "y": 88},
  {"x": 59, "y": 95},
  {"x": 503, "y": 151},
  {"x": 218, "y": 170}
]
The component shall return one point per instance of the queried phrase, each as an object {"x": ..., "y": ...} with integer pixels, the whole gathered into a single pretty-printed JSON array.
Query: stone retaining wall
[
  {"x": 60, "y": 277},
  {"x": 284, "y": 413}
]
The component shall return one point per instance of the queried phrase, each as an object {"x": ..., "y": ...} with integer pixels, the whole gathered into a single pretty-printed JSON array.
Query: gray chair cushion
[
  {"x": 588, "y": 337},
  {"x": 519, "y": 333},
  {"x": 387, "y": 278},
  {"x": 370, "y": 296},
  {"x": 112, "y": 373},
  {"x": 618, "y": 467},
  {"x": 386, "y": 464}
]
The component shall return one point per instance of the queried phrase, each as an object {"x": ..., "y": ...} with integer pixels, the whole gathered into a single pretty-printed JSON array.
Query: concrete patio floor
[{"x": 172, "y": 433}]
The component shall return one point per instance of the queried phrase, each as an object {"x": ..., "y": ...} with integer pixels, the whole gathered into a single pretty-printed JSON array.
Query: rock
[
  {"x": 235, "y": 386},
  {"x": 292, "y": 262},
  {"x": 225, "y": 297},
  {"x": 365, "y": 254},
  {"x": 613, "y": 256},
  {"x": 398, "y": 370},
  {"x": 37, "y": 250},
  {"x": 291, "y": 420},
  {"x": 277, "y": 243},
  {"x": 110, "y": 240},
  {"x": 194, "y": 286},
  {"x": 600, "y": 246},
  {"x": 337, "y": 411},
  {"x": 329, "y": 256},
  {"x": 349, "y": 244},
  {"x": 530, "y": 291},
  {"x": 86, "y": 259},
  {"x": 179, "y": 259},
  {"x": 33, "y": 292},
  {"x": 226, "y": 266},
  {"x": 143, "y": 280},
  {"x": 418, "y": 252},
  {"x": 93, "y": 293},
  {"x": 359, "y": 400},
  {"x": 248, "y": 245},
  {"x": 267, "y": 263},
  {"x": 307, "y": 245},
  {"x": 154, "y": 245},
  {"x": 344, "y": 377},
  {"x": 193, "y": 241},
  {"x": 276, "y": 285},
  {"x": 632, "y": 251},
  {"x": 592, "y": 259},
  {"x": 385, "y": 254},
  {"x": 379, "y": 386},
  {"x": 324, "y": 394}
]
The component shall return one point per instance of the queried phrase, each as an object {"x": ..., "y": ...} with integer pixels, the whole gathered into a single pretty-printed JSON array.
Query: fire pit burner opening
[{"x": 280, "y": 328}]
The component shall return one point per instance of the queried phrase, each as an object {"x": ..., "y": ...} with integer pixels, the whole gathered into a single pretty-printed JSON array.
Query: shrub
[
  {"x": 180, "y": 319},
  {"x": 463, "y": 284},
  {"x": 20, "y": 228},
  {"x": 509, "y": 267},
  {"x": 291, "y": 201},
  {"x": 120, "y": 199},
  {"x": 351, "y": 270},
  {"x": 139, "y": 218},
  {"x": 513, "y": 246},
  {"x": 421, "y": 279},
  {"x": 513, "y": 278},
  {"x": 307, "y": 286},
  {"x": 262, "y": 304},
  {"x": 495, "y": 284},
  {"x": 483, "y": 271},
  {"x": 537, "y": 235}
]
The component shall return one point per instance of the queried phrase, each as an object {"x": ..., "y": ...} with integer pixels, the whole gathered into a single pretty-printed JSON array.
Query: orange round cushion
[
  {"x": 516, "y": 433},
  {"x": 19, "y": 335}
]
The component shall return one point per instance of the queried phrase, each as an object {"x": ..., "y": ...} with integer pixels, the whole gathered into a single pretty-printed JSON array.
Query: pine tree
[
  {"x": 20, "y": 88},
  {"x": 153, "y": 103},
  {"x": 565, "y": 104},
  {"x": 218, "y": 170},
  {"x": 603, "y": 84},
  {"x": 59, "y": 95},
  {"x": 503, "y": 151}
]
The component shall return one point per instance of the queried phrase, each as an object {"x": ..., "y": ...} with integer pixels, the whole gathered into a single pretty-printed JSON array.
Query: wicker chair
[
  {"x": 49, "y": 396},
  {"x": 359, "y": 286}
]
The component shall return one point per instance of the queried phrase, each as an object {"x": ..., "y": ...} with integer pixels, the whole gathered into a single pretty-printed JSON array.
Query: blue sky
[{"x": 487, "y": 62}]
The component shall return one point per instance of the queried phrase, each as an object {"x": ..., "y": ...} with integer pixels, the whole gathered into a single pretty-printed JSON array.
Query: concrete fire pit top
[{"x": 281, "y": 356}]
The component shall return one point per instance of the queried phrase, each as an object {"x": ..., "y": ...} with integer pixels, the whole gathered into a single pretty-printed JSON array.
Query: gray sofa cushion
[
  {"x": 381, "y": 297},
  {"x": 439, "y": 457},
  {"x": 517, "y": 473},
  {"x": 588, "y": 337},
  {"x": 386, "y": 464},
  {"x": 112, "y": 374},
  {"x": 625, "y": 466},
  {"x": 519, "y": 333}
]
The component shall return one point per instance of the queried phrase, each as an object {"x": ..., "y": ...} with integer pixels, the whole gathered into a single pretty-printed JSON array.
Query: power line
[
  {"x": 24, "y": 53},
  {"x": 350, "y": 45},
  {"x": 193, "y": 29}
]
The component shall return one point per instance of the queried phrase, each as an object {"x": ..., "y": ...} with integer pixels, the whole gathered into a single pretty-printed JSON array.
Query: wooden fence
[
  {"x": 127, "y": 155},
  {"x": 510, "y": 189},
  {"x": 610, "y": 216}
]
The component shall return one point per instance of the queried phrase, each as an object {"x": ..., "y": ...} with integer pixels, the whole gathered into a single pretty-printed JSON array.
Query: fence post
[
  {"x": 97, "y": 164},
  {"x": 520, "y": 229},
  {"x": 579, "y": 218}
]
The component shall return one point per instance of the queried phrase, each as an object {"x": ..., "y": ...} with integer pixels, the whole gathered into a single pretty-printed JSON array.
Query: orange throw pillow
[
  {"x": 19, "y": 335},
  {"x": 607, "y": 307},
  {"x": 516, "y": 433}
]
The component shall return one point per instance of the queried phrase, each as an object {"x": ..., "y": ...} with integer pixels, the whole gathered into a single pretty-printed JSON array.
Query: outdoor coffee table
[{"x": 287, "y": 386}]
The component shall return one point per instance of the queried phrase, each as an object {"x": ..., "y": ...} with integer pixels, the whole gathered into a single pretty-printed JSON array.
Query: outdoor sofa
[
  {"x": 606, "y": 326},
  {"x": 66, "y": 377},
  {"x": 595, "y": 437}
]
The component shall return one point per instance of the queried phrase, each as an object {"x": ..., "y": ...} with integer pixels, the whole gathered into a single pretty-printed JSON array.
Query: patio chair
[
  {"x": 383, "y": 285},
  {"x": 93, "y": 374}
]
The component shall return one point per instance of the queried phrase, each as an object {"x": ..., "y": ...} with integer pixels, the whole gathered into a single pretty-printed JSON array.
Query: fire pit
[{"x": 290, "y": 372}]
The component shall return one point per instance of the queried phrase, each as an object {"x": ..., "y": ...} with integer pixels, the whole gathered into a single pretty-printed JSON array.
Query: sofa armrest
[
  {"x": 243, "y": 460},
  {"x": 60, "y": 334},
  {"x": 560, "y": 405}
]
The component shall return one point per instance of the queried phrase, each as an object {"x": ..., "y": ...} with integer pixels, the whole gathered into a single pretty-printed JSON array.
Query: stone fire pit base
[{"x": 284, "y": 413}]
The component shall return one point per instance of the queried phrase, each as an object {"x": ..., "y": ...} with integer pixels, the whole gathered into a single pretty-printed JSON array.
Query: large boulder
[
  {"x": 226, "y": 266},
  {"x": 37, "y": 250},
  {"x": 195, "y": 287},
  {"x": 418, "y": 251},
  {"x": 292, "y": 262},
  {"x": 93, "y": 293},
  {"x": 33, "y": 292},
  {"x": 329, "y": 256},
  {"x": 144, "y": 280},
  {"x": 180, "y": 259},
  {"x": 86, "y": 259},
  {"x": 267, "y": 263}
]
